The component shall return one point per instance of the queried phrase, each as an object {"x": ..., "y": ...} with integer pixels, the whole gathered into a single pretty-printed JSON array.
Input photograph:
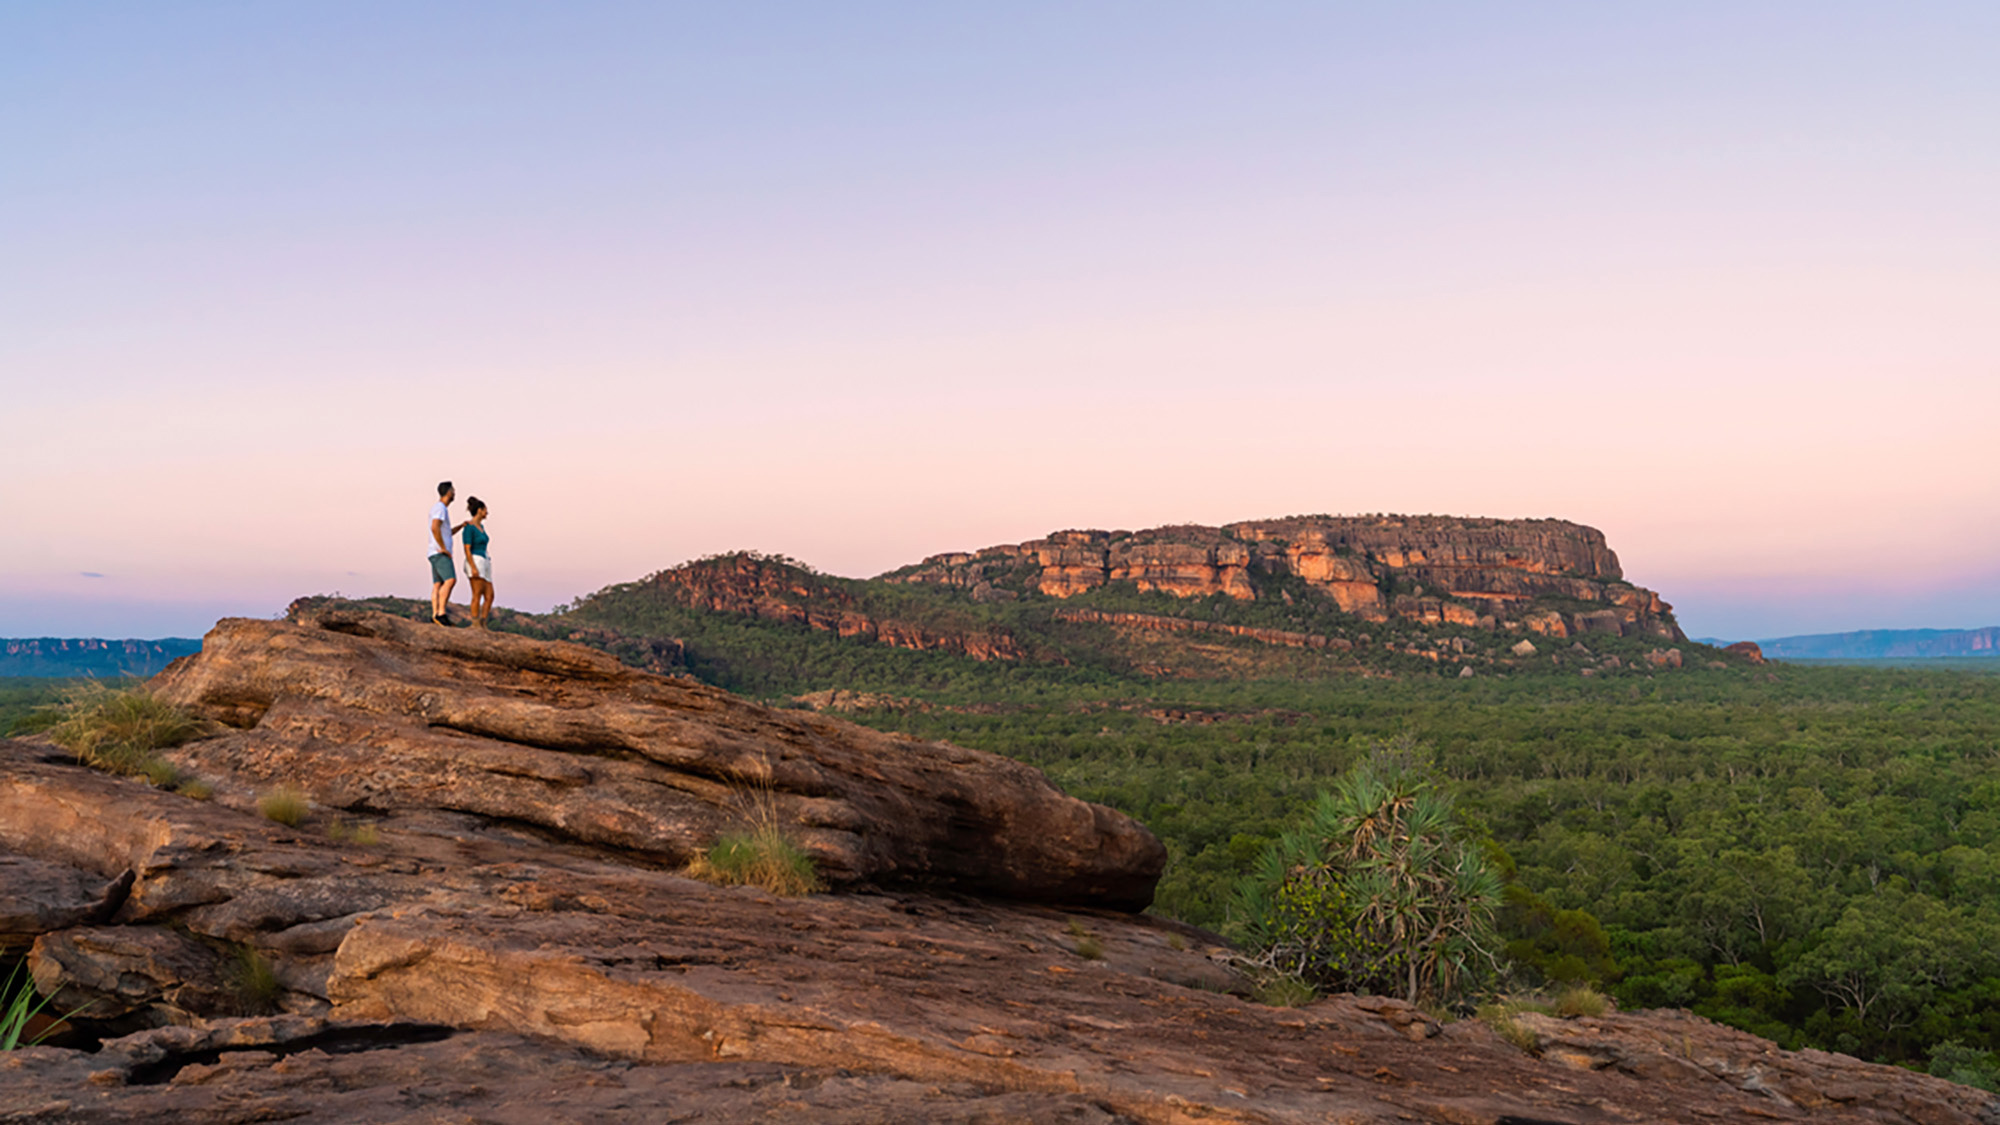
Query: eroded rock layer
[
  {"x": 1550, "y": 576},
  {"x": 370, "y": 713},
  {"x": 458, "y": 969}
]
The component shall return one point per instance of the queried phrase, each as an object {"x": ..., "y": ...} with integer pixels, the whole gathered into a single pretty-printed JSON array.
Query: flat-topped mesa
[
  {"x": 1548, "y": 576},
  {"x": 364, "y": 711}
]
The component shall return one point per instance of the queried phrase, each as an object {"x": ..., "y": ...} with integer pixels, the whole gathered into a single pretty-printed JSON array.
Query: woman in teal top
[{"x": 478, "y": 564}]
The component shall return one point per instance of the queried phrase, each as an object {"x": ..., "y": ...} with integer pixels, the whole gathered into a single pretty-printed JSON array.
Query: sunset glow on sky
[{"x": 862, "y": 283}]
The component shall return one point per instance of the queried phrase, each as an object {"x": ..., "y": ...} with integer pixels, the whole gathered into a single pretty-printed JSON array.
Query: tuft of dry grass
[
  {"x": 254, "y": 982},
  {"x": 354, "y": 832},
  {"x": 1503, "y": 1017},
  {"x": 1283, "y": 991},
  {"x": 121, "y": 730},
  {"x": 1088, "y": 945},
  {"x": 760, "y": 857},
  {"x": 285, "y": 804},
  {"x": 194, "y": 790},
  {"x": 762, "y": 854},
  {"x": 1579, "y": 999}
]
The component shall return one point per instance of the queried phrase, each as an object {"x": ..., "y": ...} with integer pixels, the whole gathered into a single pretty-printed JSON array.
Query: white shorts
[{"x": 485, "y": 566}]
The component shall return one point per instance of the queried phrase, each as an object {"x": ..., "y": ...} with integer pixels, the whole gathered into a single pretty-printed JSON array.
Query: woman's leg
[{"x": 483, "y": 596}]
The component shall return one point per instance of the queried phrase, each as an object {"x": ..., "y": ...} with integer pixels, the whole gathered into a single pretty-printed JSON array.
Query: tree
[{"x": 1377, "y": 890}]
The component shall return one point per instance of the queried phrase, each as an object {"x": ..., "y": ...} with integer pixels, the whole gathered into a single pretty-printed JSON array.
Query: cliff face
[{"x": 1548, "y": 576}]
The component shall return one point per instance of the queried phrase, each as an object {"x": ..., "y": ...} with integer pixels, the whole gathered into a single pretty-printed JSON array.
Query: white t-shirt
[{"x": 439, "y": 511}]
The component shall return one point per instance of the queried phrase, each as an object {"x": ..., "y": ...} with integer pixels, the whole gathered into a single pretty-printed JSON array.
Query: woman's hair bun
[{"x": 474, "y": 504}]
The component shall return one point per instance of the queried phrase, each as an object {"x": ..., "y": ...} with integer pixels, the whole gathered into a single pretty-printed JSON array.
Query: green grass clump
[
  {"x": 20, "y": 1003},
  {"x": 121, "y": 731},
  {"x": 285, "y": 804},
  {"x": 759, "y": 857},
  {"x": 1088, "y": 945},
  {"x": 194, "y": 790}
]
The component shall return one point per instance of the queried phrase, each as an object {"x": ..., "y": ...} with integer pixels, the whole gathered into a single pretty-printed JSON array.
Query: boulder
[{"x": 374, "y": 714}]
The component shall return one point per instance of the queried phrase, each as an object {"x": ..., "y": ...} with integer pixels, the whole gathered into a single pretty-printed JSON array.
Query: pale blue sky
[{"x": 867, "y": 282}]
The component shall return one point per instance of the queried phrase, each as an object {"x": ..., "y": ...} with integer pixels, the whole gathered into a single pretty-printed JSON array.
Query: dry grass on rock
[
  {"x": 759, "y": 857},
  {"x": 121, "y": 731}
]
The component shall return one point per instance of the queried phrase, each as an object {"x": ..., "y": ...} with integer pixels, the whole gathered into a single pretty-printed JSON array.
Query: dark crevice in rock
[
  {"x": 115, "y": 894},
  {"x": 333, "y": 1041}
]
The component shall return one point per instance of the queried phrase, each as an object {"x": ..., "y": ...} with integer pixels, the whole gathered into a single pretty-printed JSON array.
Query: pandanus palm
[{"x": 1377, "y": 890}]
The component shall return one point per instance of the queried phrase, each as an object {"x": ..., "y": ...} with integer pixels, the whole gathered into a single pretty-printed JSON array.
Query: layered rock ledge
[{"x": 372, "y": 714}]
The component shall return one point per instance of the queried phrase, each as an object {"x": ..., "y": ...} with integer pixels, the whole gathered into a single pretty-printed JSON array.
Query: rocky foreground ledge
[{"x": 486, "y": 962}]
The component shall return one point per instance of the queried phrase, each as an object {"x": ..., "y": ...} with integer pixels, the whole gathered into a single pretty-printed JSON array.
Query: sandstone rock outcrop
[
  {"x": 778, "y": 590},
  {"x": 1461, "y": 571},
  {"x": 373, "y": 714},
  {"x": 463, "y": 970}
]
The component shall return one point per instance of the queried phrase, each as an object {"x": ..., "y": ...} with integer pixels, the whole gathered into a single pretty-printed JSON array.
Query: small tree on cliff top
[{"x": 1377, "y": 890}]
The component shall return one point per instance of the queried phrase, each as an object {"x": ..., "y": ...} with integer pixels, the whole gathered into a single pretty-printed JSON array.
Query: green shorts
[{"x": 442, "y": 570}]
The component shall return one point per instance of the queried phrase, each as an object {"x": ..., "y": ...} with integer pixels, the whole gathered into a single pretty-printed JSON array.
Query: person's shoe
[{"x": 437, "y": 619}]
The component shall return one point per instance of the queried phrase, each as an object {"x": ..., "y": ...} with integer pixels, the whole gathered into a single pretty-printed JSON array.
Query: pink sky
[{"x": 661, "y": 286}]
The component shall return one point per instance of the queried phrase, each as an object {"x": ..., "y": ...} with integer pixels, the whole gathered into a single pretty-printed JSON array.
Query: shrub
[
  {"x": 119, "y": 731},
  {"x": 194, "y": 790},
  {"x": 285, "y": 804},
  {"x": 1377, "y": 891},
  {"x": 759, "y": 857},
  {"x": 1953, "y": 1061}
]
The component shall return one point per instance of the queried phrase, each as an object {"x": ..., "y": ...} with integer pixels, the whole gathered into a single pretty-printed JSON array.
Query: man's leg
[
  {"x": 437, "y": 597},
  {"x": 444, "y": 602}
]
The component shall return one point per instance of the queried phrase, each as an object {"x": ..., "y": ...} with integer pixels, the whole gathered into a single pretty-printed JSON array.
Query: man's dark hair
[{"x": 444, "y": 486}]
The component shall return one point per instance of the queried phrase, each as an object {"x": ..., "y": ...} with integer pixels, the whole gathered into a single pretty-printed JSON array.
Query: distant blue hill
[
  {"x": 1888, "y": 644},
  {"x": 90, "y": 656}
]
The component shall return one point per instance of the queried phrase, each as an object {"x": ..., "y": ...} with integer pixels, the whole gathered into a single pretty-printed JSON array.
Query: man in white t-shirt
[{"x": 438, "y": 546}]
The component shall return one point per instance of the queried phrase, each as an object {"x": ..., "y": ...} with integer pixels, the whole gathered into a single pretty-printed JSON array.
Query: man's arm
[{"x": 443, "y": 547}]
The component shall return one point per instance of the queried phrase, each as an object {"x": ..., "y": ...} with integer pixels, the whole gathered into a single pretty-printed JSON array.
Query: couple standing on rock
[{"x": 478, "y": 566}]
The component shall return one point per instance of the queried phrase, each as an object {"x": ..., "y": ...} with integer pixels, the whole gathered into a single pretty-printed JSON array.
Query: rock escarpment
[
  {"x": 371, "y": 713},
  {"x": 469, "y": 957},
  {"x": 1549, "y": 576}
]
